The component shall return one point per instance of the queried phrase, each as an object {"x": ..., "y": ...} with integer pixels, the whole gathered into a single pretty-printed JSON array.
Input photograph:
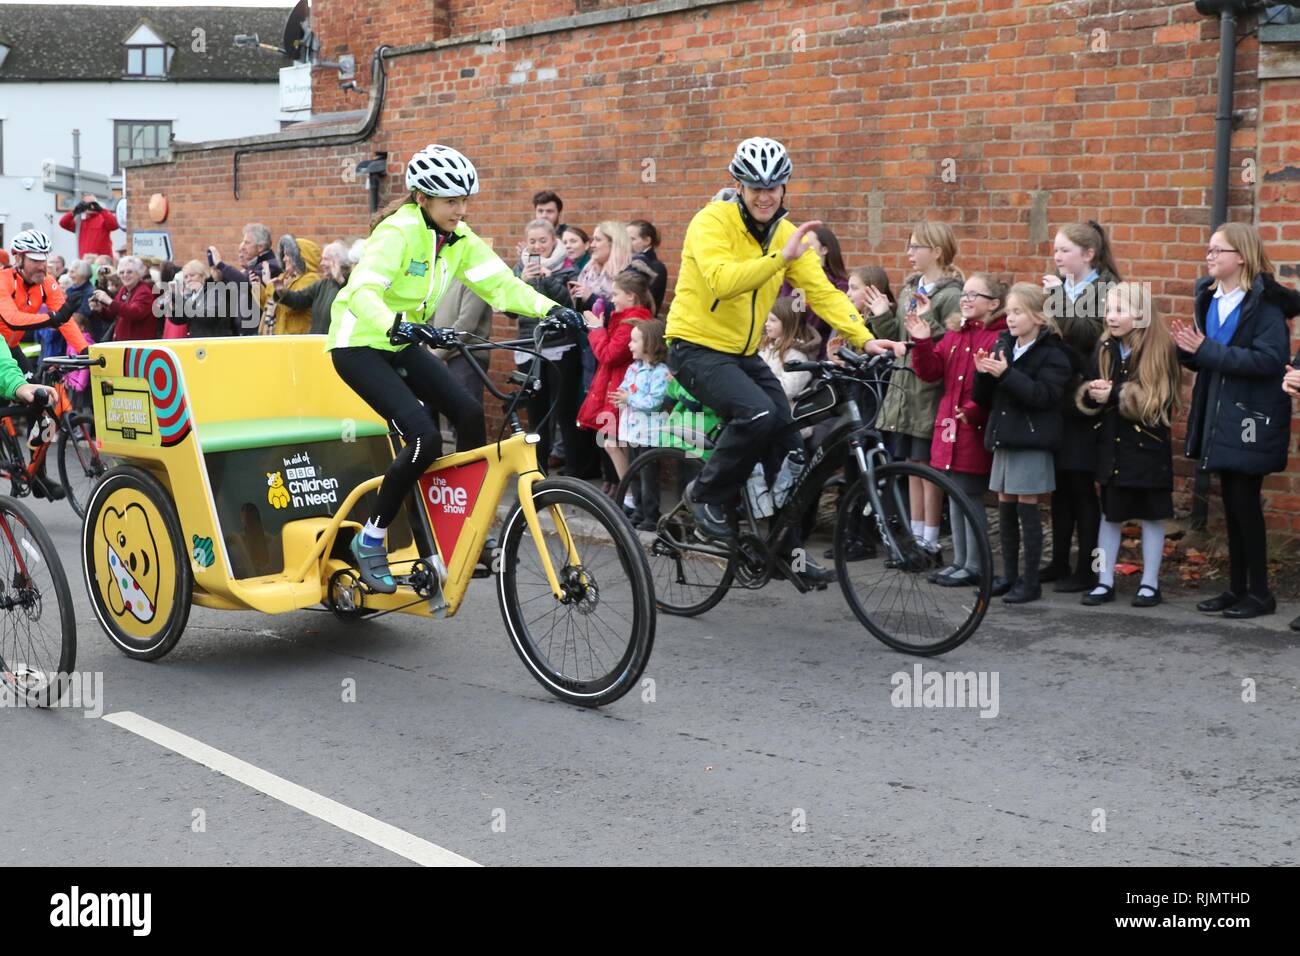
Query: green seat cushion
[{"x": 268, "y": 432}]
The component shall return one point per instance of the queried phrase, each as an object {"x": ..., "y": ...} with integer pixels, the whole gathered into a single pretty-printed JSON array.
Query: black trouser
[
  {"x": 1247, "y": 545},
  {"x": 744, "y": 393},
  {"x": 395, "y": 384},
  {"x": 562, "y": 384},
  {"x": 1075, "y": 505}
]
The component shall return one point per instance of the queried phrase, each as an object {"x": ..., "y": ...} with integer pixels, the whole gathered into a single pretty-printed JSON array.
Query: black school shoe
[
  {"x": 1216, "y": 604},
  {"x": 1092, "y": 599},
  {"x": 1073, "y": 584},
  {"x": 1022, "y": 593},
  {"x": 1146, "y": 597},
  {"x": 1251, "y": 606},
  {"x": 1001, "y": 586}
]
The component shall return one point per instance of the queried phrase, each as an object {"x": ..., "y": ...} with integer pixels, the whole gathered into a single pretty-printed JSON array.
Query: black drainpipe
[{"x": 1227, "y": 11}]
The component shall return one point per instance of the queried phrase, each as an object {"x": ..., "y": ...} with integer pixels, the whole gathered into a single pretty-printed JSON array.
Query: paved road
[{"x": 770, "y": 739}]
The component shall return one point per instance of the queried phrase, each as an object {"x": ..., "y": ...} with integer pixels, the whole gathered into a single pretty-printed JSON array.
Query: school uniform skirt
[
  {"x": 1023, "y": 471},
  {"x": 1119, "y": 504}
]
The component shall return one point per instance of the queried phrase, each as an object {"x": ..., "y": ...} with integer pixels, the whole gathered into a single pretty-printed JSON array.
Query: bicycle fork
[{"x": 874, "y": 508}]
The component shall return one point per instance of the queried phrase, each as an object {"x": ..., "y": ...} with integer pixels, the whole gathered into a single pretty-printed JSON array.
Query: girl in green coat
[{"x": 933, "y": 293}]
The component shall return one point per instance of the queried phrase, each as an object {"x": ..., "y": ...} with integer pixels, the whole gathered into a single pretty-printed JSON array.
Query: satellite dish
[{"x": 298, "y": 39}]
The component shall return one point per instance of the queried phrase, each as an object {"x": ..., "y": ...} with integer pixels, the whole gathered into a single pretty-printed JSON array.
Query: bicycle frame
[{"x": 849, "y": 436}]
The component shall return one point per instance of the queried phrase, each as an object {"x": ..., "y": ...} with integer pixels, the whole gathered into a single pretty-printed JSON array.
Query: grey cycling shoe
[
  {"x": 372, "y": 565},
  {"x": 710, "y": 519}
]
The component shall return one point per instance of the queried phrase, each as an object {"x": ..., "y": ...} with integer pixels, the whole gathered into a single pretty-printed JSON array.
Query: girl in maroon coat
[
  {"x": 609, "y": 340},
  {"x": 131, "y": 308},
  {"x": 958, "y": 444}
]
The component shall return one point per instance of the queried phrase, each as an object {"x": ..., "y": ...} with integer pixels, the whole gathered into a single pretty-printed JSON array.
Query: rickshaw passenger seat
[{"x": 291, "y": 430}]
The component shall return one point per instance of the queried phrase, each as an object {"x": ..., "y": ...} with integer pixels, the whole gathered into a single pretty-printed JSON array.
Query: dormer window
[{"x": 148, "y": 56}]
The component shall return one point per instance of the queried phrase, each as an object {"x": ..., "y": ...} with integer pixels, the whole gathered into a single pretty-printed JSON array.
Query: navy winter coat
[{"x": 1240, "y": 419}]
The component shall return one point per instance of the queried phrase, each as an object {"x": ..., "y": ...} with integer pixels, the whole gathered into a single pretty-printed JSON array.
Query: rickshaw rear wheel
[{"x": 136, "y": 566}]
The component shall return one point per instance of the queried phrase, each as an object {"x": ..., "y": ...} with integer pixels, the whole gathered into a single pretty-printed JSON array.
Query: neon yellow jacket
[
  {"x": 397, "y": 273},
  {"x": 728, "y": 282}
]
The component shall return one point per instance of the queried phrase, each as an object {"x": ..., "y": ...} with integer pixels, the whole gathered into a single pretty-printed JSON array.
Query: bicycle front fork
[{"x": 867, "y": 460}]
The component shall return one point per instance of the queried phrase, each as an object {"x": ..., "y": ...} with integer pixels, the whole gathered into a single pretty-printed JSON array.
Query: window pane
[
  {"x": 123, "y": 134},
  {"x": 164, "y": 137},
  {"x": 134, "y": 61},
  {"x": 147, "y": 140},
  {"x": 153, "y": 61}
]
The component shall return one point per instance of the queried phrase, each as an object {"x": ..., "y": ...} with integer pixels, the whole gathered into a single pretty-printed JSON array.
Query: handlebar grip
[{"x": 795, "y": 366}]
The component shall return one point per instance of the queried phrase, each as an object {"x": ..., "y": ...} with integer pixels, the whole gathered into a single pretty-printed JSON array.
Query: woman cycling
[{"x": 416, "y": 247}]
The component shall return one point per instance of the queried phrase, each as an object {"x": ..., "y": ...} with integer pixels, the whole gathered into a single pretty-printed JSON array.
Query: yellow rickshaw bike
[{"x": 239, "y": 463}]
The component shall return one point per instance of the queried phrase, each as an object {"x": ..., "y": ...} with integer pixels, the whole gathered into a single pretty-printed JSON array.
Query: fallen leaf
[{"x": 1127, "y": 569}]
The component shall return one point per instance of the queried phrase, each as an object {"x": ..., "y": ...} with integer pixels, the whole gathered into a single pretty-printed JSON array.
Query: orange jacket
[{"x": 20, "y": 305}]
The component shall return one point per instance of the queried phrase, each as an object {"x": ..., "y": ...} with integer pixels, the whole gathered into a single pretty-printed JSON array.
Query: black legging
[
  {"x": 1075, "y": 506},
  {"x": 394, "y": 384},
  {"x": 1247, "y": 545},
  {"x": 562, "y": 384}
]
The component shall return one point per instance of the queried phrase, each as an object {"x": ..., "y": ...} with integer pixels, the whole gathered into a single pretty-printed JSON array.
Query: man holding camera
[{"x": 97, "y": 225}]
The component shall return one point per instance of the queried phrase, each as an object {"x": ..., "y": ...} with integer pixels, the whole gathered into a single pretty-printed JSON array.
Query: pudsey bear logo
[
  {"x": 133, "y": 562},
  {"x": 277, "y": 494}
]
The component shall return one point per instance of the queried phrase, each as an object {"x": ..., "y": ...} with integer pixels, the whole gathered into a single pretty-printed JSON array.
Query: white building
[{"x": 131, "y": 79}]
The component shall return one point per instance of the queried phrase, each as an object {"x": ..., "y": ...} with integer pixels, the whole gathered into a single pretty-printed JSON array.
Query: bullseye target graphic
[{"x": 158, "y": 368}]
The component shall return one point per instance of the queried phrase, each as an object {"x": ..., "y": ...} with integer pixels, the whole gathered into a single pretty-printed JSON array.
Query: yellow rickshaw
[{"x": 240, "y": 462}]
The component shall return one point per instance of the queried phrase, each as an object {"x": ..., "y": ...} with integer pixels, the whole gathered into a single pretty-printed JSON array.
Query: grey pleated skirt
[{"x": 1023, "y": 471}]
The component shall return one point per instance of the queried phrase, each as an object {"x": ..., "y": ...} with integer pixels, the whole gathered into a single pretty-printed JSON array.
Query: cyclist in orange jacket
[{"x": 24, "y": 289}]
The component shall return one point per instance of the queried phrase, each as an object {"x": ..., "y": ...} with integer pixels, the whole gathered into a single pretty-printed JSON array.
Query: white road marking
[{"x": 331, "y": 811}]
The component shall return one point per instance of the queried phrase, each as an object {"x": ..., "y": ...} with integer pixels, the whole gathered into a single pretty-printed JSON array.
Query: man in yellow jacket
[{"x": 736, "y": 255}]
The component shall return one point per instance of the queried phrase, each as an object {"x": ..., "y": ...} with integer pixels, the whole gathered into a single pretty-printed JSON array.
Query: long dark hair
[
  {"x": 834, "y": 261},
  {"x": 392, "y": 207}
]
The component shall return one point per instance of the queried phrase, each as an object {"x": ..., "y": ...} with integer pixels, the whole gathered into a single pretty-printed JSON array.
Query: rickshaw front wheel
[{"x": 137, "y": 569}]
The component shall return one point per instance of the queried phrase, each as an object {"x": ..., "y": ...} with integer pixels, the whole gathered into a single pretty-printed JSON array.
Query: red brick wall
[{"x": 965, "y": 110}]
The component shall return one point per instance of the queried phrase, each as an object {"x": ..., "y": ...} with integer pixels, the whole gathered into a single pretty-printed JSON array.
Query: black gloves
[{"x": 567, "y": 316}]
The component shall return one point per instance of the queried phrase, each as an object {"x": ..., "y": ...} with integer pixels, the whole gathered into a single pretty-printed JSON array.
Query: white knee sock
[
  {"x": 1153, "y": 552},
  {"x": 1108, "y": 538}
]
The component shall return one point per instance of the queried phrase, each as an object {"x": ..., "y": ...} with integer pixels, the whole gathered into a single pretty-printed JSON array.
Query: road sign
[
  {"x": 62, "y": 180},
  {"x": 151, "y": 245}
]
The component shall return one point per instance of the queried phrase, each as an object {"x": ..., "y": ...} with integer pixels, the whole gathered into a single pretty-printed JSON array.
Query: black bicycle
[
  {"x": 882, "y": 570},
  {"x": 65, "y": 431}
]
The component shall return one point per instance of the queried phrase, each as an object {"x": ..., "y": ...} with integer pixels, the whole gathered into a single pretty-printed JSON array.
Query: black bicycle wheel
[
  {"x": 590, "y": 647},
  {"x": 38, "y": 627},
  {"x": 885, "y": 574},
  {"x": 689, "y": 576},
  {"x": 80, "y": 463}
]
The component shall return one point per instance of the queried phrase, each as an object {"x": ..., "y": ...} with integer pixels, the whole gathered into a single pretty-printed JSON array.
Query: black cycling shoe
[
  {"x": 372, "y": 566},
  {"x": 43, "y": 487},
  {"x": 710, "y": 519},
  {"x": 815, "y": 574}
]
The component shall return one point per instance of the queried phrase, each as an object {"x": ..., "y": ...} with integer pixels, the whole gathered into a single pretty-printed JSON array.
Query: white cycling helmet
[
  {"x": 761, "y": 162},
  {"x": 31, "y": 243},
  {"x": 441, "y": 171}
]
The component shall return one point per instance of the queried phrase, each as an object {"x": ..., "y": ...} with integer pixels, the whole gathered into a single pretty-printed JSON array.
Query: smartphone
[
  {"x": 598, "y": 307},
  {"x": 210, "y": 262},
  {"x": 535, "y": 260}
]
